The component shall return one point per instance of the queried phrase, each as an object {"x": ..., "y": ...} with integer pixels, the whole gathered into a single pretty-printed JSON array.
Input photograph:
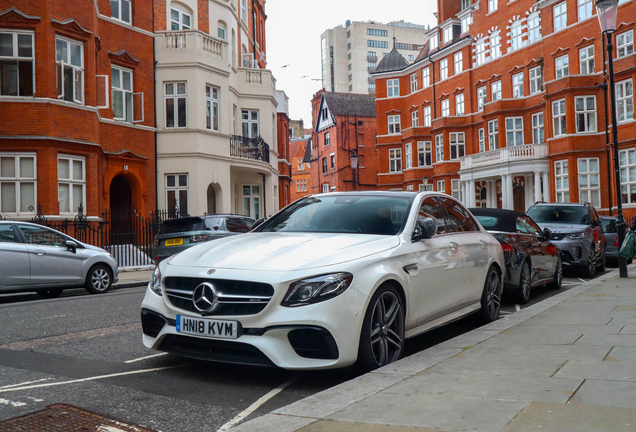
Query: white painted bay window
[
  {"x": 427, "y": 116},
  {"x": 493, "y": 134},
  {"x": 69, "y": 57},
  {"x": 17, "y": 67},
  {"x": 71, "y": 186},
  {"x": 589, "y": 186},
  {"x": 176, "y": 103},
  {"x": 517, "y": 85},
  {"x": 445, "y": 108},
  {"x": 439, "y": 148},
  {"x": 180, "y": 19},
  {"x": 628, "y": 175},
  {"x": 495, "y": 91},
  {"x": 558, "y": 117},
  {"x": 249, "y": 123},
  {"x": 18, "y": 183},
  {"x": 212, "y": 108},
  {"x": 415, "y": 120},
  {"x": 536, "y": 80},
  {"x": 408, "y": 155},
  {"x": 413, "y": 82},
  {"x": 538, "y": 135},
  {"x": 561, "y": 181},
  {"x": 624, "y": 100},
  {"x": 424, "y": 153},
  {"x": 457, "y": 145},
  {"x": 585, "y": 112},
  {"x": 177, "y": 193},
  {"x": 393, "y": 87}
]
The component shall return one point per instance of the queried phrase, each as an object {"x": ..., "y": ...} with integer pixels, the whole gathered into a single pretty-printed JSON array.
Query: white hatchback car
[{"x": 330, "y": 280}]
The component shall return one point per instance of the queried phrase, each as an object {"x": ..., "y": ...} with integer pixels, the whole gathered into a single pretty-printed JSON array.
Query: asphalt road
[{"x": 86, "y": 351}]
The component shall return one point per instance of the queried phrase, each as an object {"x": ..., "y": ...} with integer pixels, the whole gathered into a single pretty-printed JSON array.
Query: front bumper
[{"x": 574, "y": 252}]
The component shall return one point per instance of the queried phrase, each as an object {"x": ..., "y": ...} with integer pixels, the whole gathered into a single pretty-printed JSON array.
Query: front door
[
  {"x": 52, "y": 263},
  {"x": 519, "y": 198},
  {"x": 14, "y": 259}
]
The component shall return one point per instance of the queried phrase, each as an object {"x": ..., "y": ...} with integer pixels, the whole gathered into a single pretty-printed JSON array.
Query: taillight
[
  {"x": 616, "y": 242},
  {"x": 507, "y": 248},
  {"x": 198, "y": 238}
]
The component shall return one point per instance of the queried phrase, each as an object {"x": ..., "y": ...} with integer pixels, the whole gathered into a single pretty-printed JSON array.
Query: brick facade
[
  {"x": 301, "y": 170},
  {"x": 284, "y": 160},
  {"x": 49, "y": 127}
]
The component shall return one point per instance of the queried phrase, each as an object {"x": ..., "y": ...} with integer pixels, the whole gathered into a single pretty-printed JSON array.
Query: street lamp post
[
  {"x": 353, "y": 161},
  {"x": 607, "y": 11},
  {"x": 424, "y": 181}
]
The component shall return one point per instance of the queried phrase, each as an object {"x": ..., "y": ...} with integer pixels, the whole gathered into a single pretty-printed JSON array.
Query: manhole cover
[{"x": 65, "y": 418}]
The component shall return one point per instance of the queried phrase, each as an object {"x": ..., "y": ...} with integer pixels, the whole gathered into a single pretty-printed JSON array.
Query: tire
[
  {"x": 558, "y": 276},
  {"x": 50, "y": 293},
  {"x": 522, "y": 294},
  {"x": 603, "y": 263},
  {"x": 99, "y": 279},
  {"x": 590, "y": 268},
  {"x": 382, "y": 335},
  {"x": 491, "y": 297}
]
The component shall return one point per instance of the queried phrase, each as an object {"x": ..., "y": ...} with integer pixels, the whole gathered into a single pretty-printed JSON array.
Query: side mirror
[
  {"x": 71, "y": 245},
  {"x": 426, "y": 229},
  {"x": 258, "y": 223},
  {"x": 547, "y": 234},
  {"x": 597, "y": 222}
]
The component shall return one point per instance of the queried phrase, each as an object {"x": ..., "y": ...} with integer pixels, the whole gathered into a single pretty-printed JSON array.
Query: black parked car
[{"x": 531, "y": 259}]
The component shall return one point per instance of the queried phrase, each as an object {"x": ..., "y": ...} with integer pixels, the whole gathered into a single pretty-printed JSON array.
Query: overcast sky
[{"x": 293, "y": 37}]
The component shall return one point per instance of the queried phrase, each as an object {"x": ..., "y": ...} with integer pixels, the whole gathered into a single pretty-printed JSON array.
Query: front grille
[
  {"x": 151, "y": 323},
  {"x": 235, "y": 297},
  {"x": 577, "y": 252},
  {"x": 314, "y": 343},
  {"x": 557, "y": 236}
]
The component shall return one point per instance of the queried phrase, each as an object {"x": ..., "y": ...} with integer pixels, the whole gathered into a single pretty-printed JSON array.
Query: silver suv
[{"x": 577, "y": 230}]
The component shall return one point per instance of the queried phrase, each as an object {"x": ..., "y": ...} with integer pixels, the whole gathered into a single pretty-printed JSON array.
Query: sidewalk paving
[
  {"x": 129, "y": 279},
  {"x": 567, "y": 364}
]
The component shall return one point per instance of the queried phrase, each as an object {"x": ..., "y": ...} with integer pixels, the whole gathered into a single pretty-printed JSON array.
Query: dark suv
[
  {"x": 577, "y": 230},
  {"x": 177, "y": 235}
]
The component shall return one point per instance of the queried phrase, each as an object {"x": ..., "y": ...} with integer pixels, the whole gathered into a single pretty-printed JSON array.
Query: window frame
[
  {"x": 584, "y": 9},
  {"x": 495, "y": 94},
  {"x": 212, "y": 107},
  {"x": 517, "y": 86},
  {"x": 71, "y": 182},
  {"x": 625, "y": 48},
  {"x": 439, "y": 148},
  {"x": 61, "y": 65},
  {"x": 459, "y": 105},
  {"x": 628, "y": 166},
  {"x": 457, "y": 142},
  {"x": 562, "y": 70},
  {"x": 493, "y": 134},
  {"x": 395, "y": 125},
  {"x": 125, "y": 108},
  {"x": 516, "y": 34},
  {"x": 560, "y": 16},
  {"x": 493, "y": 5},
  {"x": 392, "y": 87},
  {"x": 586, "y": 61},
  {"x": 561, "y": 177},
  {"x": 408, "y": 155},
  {"x": 535, "y": 76},
  {"x": 415, "y": 119},
  {"x": 424, "y": 153},
  {"x": 181, "y": 13},
  {"x": 585, "y": 114},
  {"x": 495, "y": 45},
  {"x": 559, "y": 124},
  {"x": 445, "y": 105},
  {"x": 482, "y": 97},
  {"x": 441, "y": 186},
  {"x": 588, "y": 189},
  {"x": 427, "y": 116},
  {"x": 395, "y": 160},
  {"x": 250, "y": 122},
  {"x": 481, "y": 136},
  {"x": 538, "y": 128},
  {"x": 443, "y": 69},
  {"x": 514, "y": 134},
  {"x": 426, "y": 77},
  {"x": 413, "y": 80},
  {"x": 534, "y": 27},
  {"x": 456, "y": 190},
  {"x": 175, "y": 97},
  {"x": 480, "y": 52},
  {"x": 17, "y": 58},
  {"x": 624, "y": 92},
  {"x": 18, "y": 180},
  {"x": 119, "y": 10},
  {"x": 458, "y": 63}
]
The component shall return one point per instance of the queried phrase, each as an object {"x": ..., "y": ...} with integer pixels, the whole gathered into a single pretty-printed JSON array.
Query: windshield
[
  {"x": 183, "y": 224},
  {"x": 556, "y": 214},
  {"x": 609, "y": 225},
  {"x": 381, "y": 215}
]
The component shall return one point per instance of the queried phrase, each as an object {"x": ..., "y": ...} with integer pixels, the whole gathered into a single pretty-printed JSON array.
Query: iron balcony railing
[{"x": 249, "y": 148}]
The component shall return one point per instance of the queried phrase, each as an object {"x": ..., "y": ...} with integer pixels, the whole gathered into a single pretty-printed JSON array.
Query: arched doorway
[
  {"x": 121, "y": 211},
  {"x": 120, "y": 193},
  {"x": 211, "y": 199},
  {"x": 519, "y": 198},
  {"x": 483, "y": 197}
]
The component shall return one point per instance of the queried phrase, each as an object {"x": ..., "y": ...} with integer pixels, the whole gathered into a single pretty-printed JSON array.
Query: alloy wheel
[
  {"x": 387, "y": 329},
  {"x": 493, "y": 297},
  {"x": 100, "y": 279}
]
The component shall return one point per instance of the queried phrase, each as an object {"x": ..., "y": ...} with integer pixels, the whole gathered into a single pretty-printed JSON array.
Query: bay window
[
  {"x": 176, "y": 101},
  {"x": 17, "y": 76},
  {"x": 71, "y": 177},
  {"x": 18, "y": 183}
]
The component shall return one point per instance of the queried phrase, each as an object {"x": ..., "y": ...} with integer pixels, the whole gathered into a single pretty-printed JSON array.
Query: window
[
  {"x": 482, "y": 95},
  {"x": 585, "y": 9},
  {"x": 537, "y": 128},
  {"x": 561, "y": 181},
  {"x": 349, "y": 33},
  {"x": 220, "y": 31},
  {"x": 325, "y": 188},
  {"x": 122, "y": 95},
  {"x": 424, "y": 153},
  {"x": 536, "y": 80},
  {"x": 625, "y": 44},
  {"x": 71, "y": 186},
  {"x": 589, "y": 187},
  {"x": 234, "y": 110},
  {"x": 350, "y": 78},
  {"x": 492, "y": 5},
  {"x": 371, "y": 54},
  {"x": 393, "y": 87},
  {"x": 249, "y": 123},
  {"x": 515, "y": 35},
  {"x": 457, "y": 145},
  {"x": 561, "y": 65},
  {"x": 456, "y": 190},
  {"x": 120, "y": 9},
  {"x": 445, "y": 108},
  {"x": 448, "y": 34},
  {"x": 458, "y": 62},
  {"x": 394, "y": 125},
  {"x": 480, "y": 52},
  {"x": 349, "y": 66},
  {"x": 427, "y": 116},
  {"x": 493, "y": 134},
  {"x": 585, "y": 112},
  {"x": 408, "y": 154},
  {"x": 433, "y": 42},
  {"x": 495, "y": 90},
  {"x": 514, "y": 131},
  {"x": 374, "y": 32},
  {"x": 180, "y": 20},
  {"x": 301, "y": 165},
  {"x": 373, "y": 44},
  {"x": 482, "y": 140},
  {"x": 466, "y": 22},
  {"x": 244, "y": 10},
  {"x": 212, "y": 108},
  {"x": 176, "y": 104},
  {"x": 624, "y": 100},
  {"x": 558, "y": 117},
  {"x": 517, "y": 85},
  {"x": 495, "y": 45},
  {"x": 465, "y": 4},
  {"x": 534, "y": 27},
  {"x": 17, "y": 76},
  {"x": 395, "y": 160},
  {"x": 441, "y": 186},
  {"x": 628, "y": 175},
  {"x": 415, "y": 122},
  {"x": 411, "y": 58},
  {"x": 69, "y": 57},
  {"x": 439, "y": 148},
  {"x": 426, "y": 77},
  {"x": 443, "y": 69},
  {"x": 327, "y": 138},
  {"x": 560, "y": 16},
  {"x": 586, "y": 60},
  {"x": 332, "y": 160},
  {"x": 324, "y": 165},
  {"x": 459, "y": 104},
  {"x": 18, "y": 181},
  {"x": 413, "y": 82},
  {"x": 252, "y": 201}
]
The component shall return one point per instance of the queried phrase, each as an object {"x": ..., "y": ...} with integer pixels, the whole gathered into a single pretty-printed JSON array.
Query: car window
[
  {"x": 237, "y": 225},
  {"x": 458, "y": 217},
  {"x": 183, "y": 225},
  {"x": 488, "y": 222},
  {"x": 560, "y": 214},
  {"x": 534, "y": 228},
  {"x": 522, "y": 227},
  {"x": 7, "y": 235},
  {"x": 213, "y": 223},
  {"x": 42, "y": 236},
  {"x": 431, "y": 208},
  {"x": 609, "y": 225}
]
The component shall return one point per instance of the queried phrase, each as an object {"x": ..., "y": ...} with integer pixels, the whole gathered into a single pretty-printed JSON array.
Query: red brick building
[
  {"x": 344, "y": 128},
  {"x": 283, "y": 137},
  {"x": 76, "y": 107},
  {"x": 503, "y": 107},
  {"x": 301, "y": 170}
]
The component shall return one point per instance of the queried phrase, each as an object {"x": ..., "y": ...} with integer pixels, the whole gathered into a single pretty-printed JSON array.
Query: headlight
[
  {"x": 155, "y": 282},
  {"x": 576, "y": 236},
  {"x": 317, "y": 289}
]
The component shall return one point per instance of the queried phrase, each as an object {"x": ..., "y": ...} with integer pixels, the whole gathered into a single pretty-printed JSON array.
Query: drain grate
[{"x": 65, "y": 418}]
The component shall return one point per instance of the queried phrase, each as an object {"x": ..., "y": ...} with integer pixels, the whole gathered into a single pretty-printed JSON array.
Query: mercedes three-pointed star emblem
[{"x": 204, "y": 297}]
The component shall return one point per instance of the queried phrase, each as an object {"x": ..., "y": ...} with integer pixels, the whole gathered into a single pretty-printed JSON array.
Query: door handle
[
  {"x": 453, "y": 245},
  {"x": 39, "y": 252},
  {"x": 482, "y": 244}
]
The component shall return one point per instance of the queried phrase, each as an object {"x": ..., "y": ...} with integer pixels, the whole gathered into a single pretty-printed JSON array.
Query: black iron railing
[{"x": 249, "y": 148}]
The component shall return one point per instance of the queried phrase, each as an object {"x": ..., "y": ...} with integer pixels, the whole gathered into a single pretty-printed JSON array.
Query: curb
[
  {"x": 306, "y": 411},
  {"x": 131, "y": 284}
]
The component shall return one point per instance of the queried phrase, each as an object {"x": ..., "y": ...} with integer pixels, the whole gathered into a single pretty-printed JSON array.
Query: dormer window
[
  {"x": 465, "y": 4},
  {"x": 433, "y": 42},
  {"x": 448, "y": 34}
]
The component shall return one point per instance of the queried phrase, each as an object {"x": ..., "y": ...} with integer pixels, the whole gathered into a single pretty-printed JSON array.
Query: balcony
[
  {"x": 505, "y": 155},
  {"x": 257, "y": 82},
  {"x": 191, "y": 46},
  {"x": 249, "y": 148},
  {"x": 372, "y": 59}
]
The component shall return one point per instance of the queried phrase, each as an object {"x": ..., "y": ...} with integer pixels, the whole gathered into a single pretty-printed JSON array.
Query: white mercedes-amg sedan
[{"x": 330, "y": 280}]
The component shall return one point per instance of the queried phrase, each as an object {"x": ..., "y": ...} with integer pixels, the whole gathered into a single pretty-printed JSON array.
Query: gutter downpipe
[
  {"x": 154, "y": 80},
  {"x": 607, "y": 139}
]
